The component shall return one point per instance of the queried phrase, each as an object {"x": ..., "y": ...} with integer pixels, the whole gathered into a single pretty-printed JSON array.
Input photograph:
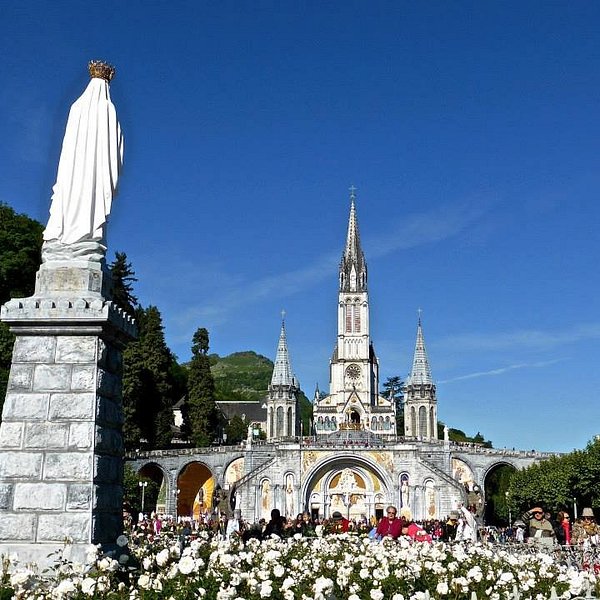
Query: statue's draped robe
[{"x": 88, "y": 170}]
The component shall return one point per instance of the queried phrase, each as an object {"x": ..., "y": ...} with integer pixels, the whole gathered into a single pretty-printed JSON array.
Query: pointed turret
[
  {"x": 420, "y": 403},
  {"x": 421, "y": 373},
  {"x": 282, "y": 398},
  {"x": 282, "y": 371},
  {"x": 353, "y": 267}
]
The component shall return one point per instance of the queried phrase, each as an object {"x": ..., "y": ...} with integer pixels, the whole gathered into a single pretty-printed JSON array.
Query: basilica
[{"x": 353, "y": 459}]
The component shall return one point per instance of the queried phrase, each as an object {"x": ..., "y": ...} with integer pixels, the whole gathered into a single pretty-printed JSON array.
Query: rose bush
[{"x": 342, "y": 567}]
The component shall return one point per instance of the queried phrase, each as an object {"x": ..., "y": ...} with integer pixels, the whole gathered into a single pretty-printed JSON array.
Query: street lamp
[
  {"x": 176, "y": 496},
  {"x": 143, "y": 485},
  {"x": 509, "y": 511}
]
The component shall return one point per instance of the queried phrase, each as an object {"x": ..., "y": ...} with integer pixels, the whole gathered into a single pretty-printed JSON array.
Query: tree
[
  {"x": 236, "y": 429},
  {"x": 123, "y": 276},
  {"x": 20, "y": 246},
  {"x": 201, "y": 411},
  {"x": 149, "y": 386},
  {"x": 393, "y": 390}
]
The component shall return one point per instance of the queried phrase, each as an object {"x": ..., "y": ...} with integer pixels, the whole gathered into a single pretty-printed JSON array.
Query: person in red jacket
[{"x": 390, "y": 525}]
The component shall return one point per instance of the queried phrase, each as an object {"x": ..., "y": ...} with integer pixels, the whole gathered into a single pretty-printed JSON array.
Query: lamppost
[
  {"x": 143, "y": 485},
  {"x": 509, "y": 511},
  {"x": 176, "y": 496},
  {"x": 574, "y": 509}
]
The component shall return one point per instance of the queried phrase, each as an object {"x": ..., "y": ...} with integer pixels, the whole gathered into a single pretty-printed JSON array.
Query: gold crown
[{"x": 101, "y": 69}]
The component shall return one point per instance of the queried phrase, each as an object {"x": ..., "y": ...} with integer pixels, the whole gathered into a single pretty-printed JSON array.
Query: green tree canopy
[
  {"x": 556, "y": 483},
  {"x": 149, "y": 386},
  {"x": 201, "y": 413},
  {"x": 20, "y": 248},
  {"x": 123, "y": 277}
]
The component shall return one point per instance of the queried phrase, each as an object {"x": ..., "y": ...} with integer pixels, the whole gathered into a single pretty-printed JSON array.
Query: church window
[
  {"x": 422, "y": 422},
  {"x": 432, "y": 423},
  {"x": 349, "y": 310},
  {"x": 356, "y": 318},
  {"x": 413, "y": 422},
  {"x": 279, "y": 420},
  {"x": 290, "y": 422}
]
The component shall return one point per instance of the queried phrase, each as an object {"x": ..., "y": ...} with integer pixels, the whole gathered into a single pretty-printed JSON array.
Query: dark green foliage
[
  {"x": 457, "y": 435},
  {"x": 496, "y": 500},
  {"x": 201, "y": 412},
  {"x": 123, "y": 276},
  {"x": 554, "y": 483},
  {"x": 132, "y": 492},
  {"x": 20, "y": 247},
  {"x": 393, "y": 389},
  {"x": 236, "y": 430},
  {"x": 305, "y": 408},
  {"x": 149, "y": 388}
]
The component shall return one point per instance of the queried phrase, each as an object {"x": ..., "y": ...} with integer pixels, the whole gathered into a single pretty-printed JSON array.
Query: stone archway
[
  {"x": 356, "y": 487},
  {"x": 153, "y": 495},
  {"x": 495, "y": 485},
  {"x": 195, "y": 491}
]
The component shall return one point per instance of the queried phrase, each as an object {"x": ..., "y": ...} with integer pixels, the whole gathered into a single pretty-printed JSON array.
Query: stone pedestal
[{"x": 61, "y": 445}]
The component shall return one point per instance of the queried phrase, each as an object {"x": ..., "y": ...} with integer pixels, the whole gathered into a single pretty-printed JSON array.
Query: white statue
[
  {"x": 88, "y": 171},
  {"x": 290, "y": 508}
]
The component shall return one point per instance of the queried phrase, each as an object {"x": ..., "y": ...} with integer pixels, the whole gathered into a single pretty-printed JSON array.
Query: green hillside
[
  {"x": 245, "y": 376},
  {"x": 241, "y": 375}
]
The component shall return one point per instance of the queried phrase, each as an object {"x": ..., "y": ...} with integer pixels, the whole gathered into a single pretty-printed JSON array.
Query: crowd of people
[{"x": 536, "y": 526}]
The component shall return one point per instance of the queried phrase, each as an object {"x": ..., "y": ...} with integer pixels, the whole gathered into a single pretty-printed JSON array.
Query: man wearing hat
[
  {"x": 585, "y": 529},
  {"x": 338, "y": 524},
  {"x": 450, "y": 526},
  {"x": 540, "y": 529}
]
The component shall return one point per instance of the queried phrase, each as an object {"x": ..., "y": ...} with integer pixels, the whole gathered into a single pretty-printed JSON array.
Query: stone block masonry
[{"x": 61, "y": 443}]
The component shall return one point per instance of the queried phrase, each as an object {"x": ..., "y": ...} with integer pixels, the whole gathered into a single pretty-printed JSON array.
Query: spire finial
[
  {"x": 352, "y": 193},
  {"x": 419, "y": 313},
  {"x": 283, "y": 315}
]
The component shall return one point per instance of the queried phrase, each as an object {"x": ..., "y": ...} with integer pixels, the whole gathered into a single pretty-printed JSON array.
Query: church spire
[
  {"x": 353, "y": 267},
  {"x": 421, "y": 373},
  {"x": 282, "y": 371}
]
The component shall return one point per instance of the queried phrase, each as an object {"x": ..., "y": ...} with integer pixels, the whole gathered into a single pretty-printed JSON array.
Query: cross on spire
[{"x": 352, "y": 192}]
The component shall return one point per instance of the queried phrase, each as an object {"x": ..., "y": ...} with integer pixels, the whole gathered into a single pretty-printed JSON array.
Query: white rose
[
  {"x": 144, "y": 582},
  {"x": 19, "y": 578},
  {"x": 278, "y": 571},
  {"x": 376, "y": 594},
  {"x": 442, "y": 588},
  {"x": 186, "y": 565},
  {"x": 88, "y": 586},
  {"x": 162, "y": 558},
  {"x": 66, "y": 586},
  {"x": 266, "y": 589}
]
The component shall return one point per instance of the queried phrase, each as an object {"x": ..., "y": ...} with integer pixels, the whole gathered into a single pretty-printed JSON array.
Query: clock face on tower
[{"x": 353, "y": 372}]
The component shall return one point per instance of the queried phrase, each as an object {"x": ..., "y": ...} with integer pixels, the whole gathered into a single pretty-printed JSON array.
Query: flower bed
[{"x": 342, "y": 567}]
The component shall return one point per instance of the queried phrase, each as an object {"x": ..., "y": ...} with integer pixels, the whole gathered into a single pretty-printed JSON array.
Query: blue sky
[{"x": 470, "y": 129}]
